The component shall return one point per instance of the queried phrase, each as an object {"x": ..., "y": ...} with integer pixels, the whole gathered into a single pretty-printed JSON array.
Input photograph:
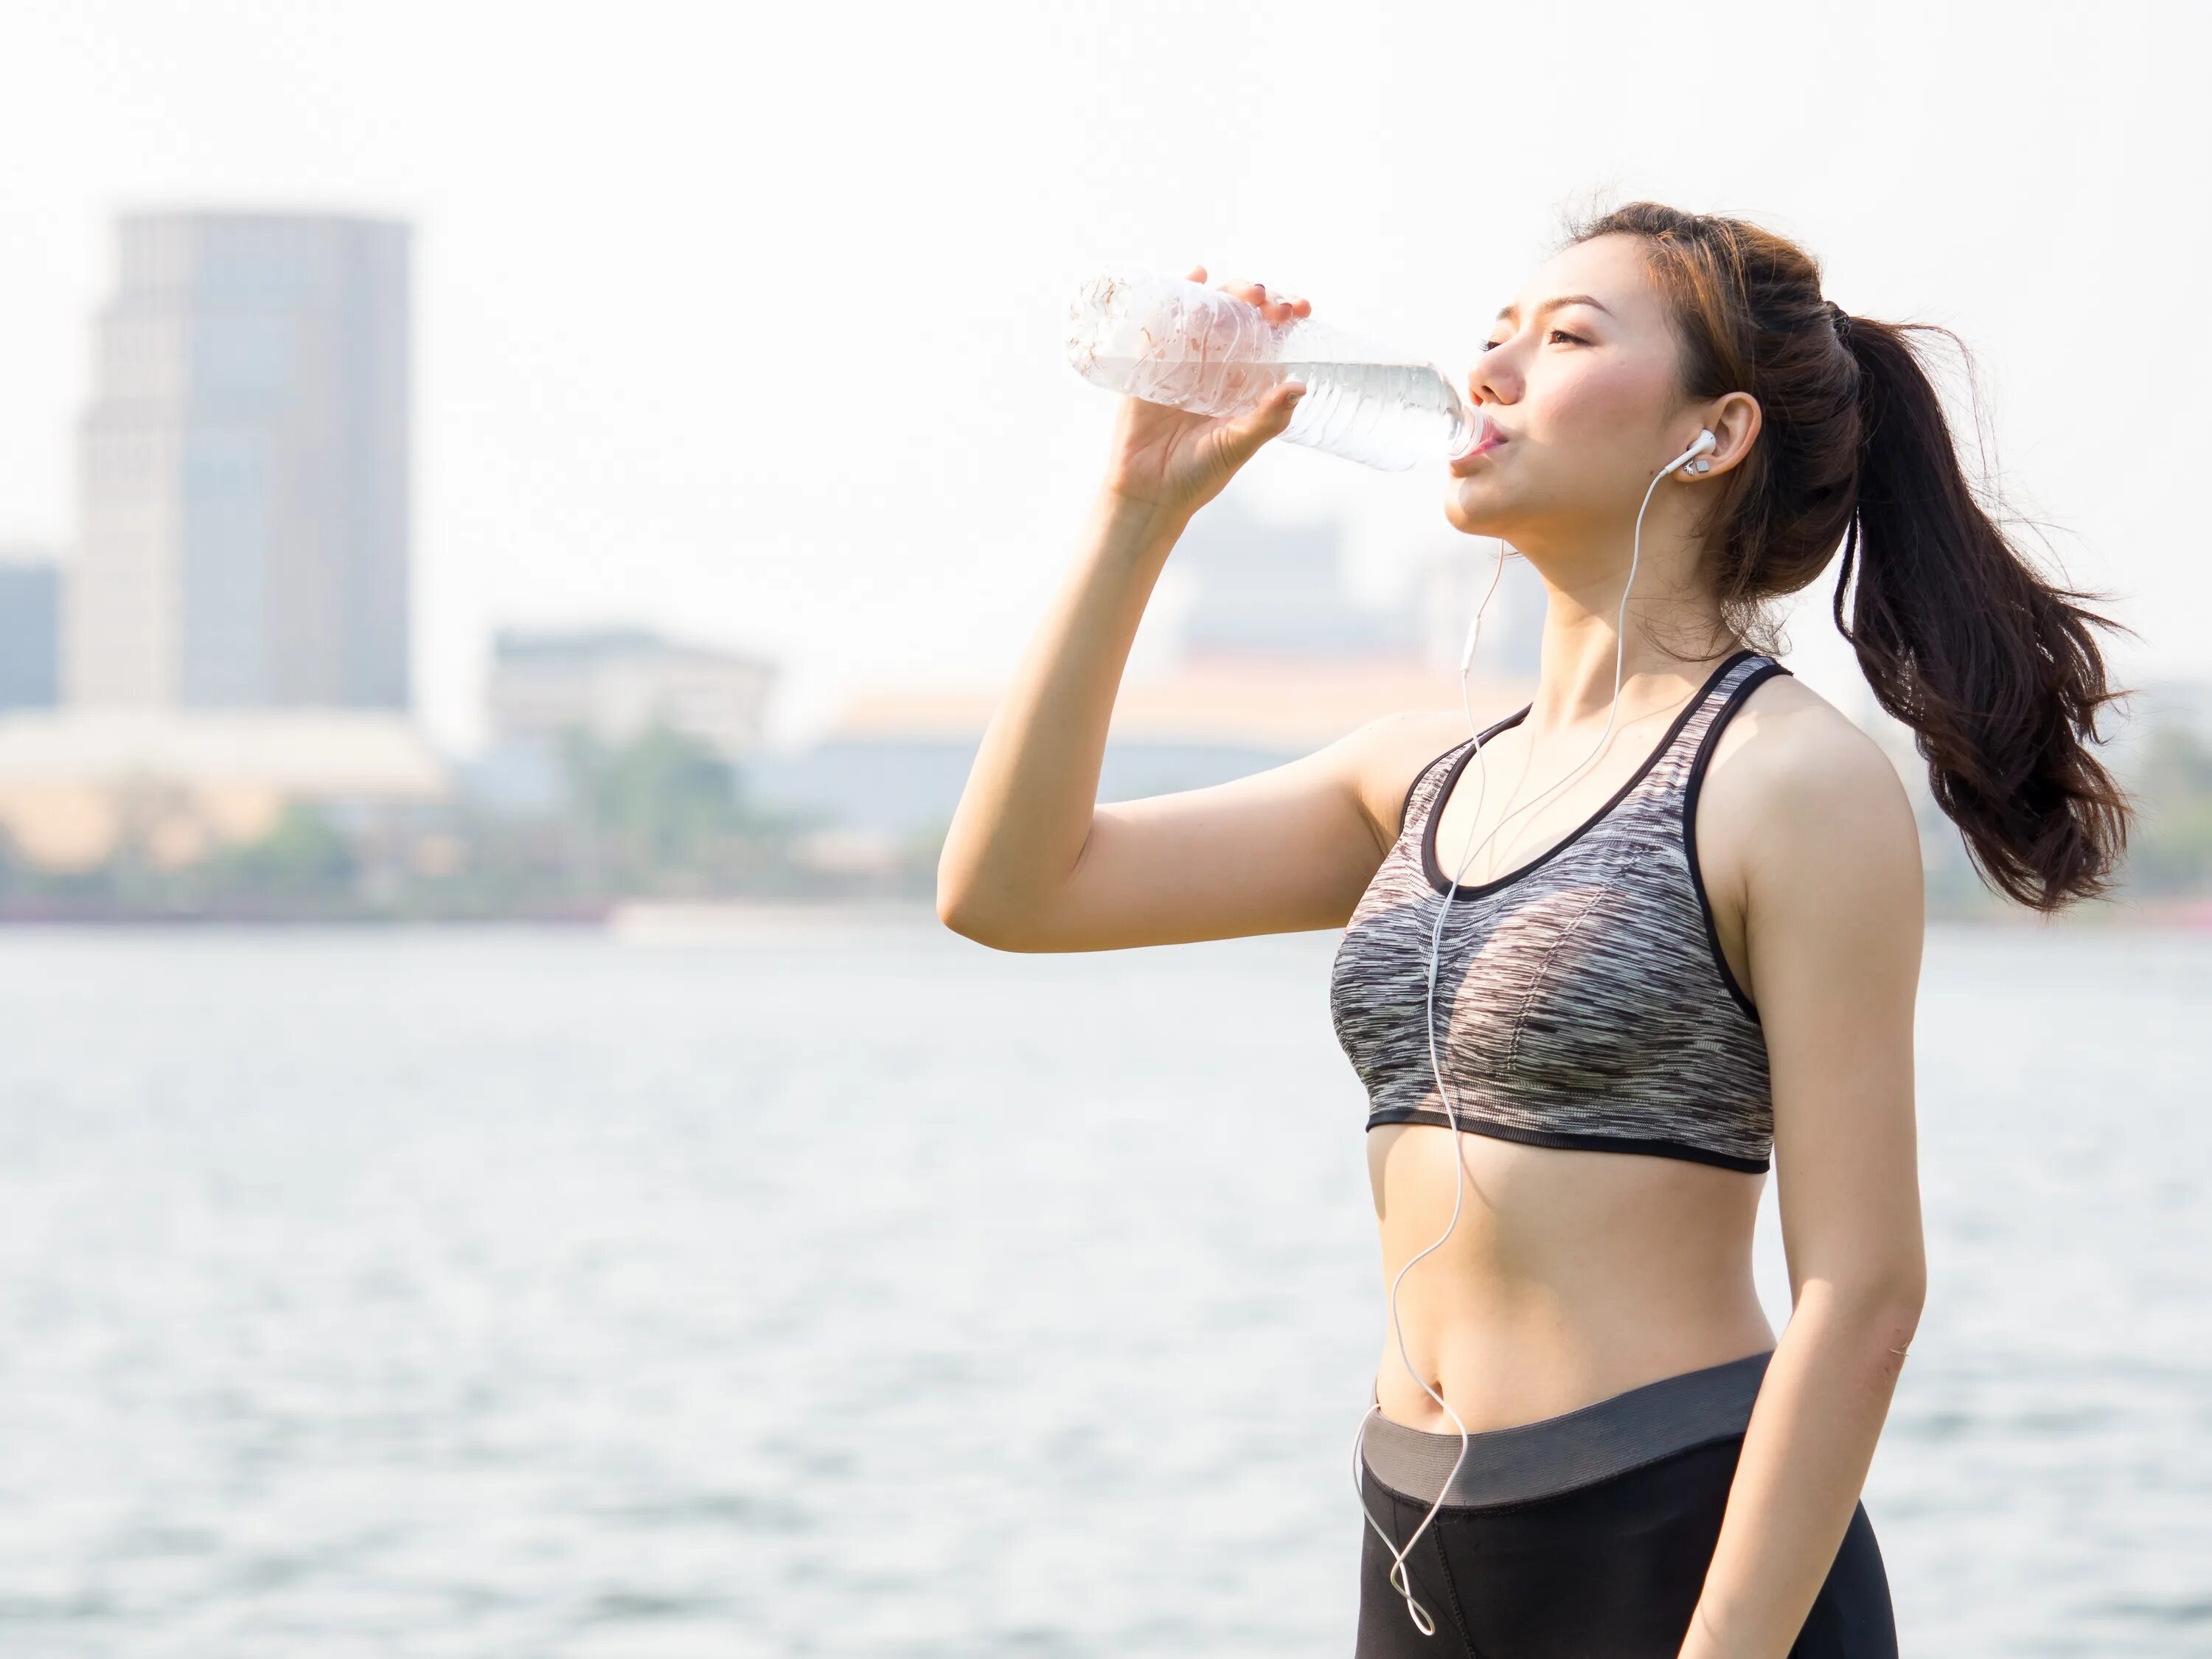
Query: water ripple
[{"x": 858, "y": 1292}]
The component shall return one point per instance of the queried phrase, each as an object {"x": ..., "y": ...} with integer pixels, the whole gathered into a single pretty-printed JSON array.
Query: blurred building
[
  {"x": 244, "y": 468},
  {"x": 894, "y": 763},
  {"x": 80, "y": 786},
  {"x": 1273, "y": 658},
  {"x": 30, "y": 597},
  {"x": 615, "y": 684},
  {"x": 1258, "y": 588}
]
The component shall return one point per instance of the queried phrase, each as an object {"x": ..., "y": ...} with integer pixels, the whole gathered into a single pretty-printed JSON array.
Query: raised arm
[{"x": 1031, "y": 862}]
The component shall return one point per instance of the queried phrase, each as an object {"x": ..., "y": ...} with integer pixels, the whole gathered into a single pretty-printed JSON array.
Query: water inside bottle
[{"x": 1395, "y": 417}]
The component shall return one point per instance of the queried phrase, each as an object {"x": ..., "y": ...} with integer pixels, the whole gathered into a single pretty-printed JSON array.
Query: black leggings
[{"x": 1607, "y": 1570}]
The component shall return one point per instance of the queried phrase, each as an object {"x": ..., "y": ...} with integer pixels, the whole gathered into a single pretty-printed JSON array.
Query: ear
[{"x": 1734, "y": 420}]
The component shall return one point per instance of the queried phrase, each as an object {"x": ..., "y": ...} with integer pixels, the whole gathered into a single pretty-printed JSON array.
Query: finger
[
  {"x": 1276, "y": 306},
  {"x": 1267, "y": 420},
  {"x": 1275, "y": 412}
]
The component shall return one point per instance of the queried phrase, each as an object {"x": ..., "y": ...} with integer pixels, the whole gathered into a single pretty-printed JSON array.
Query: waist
[
  {"x": 1576, "y": 1449},
  {"x": 1566, "y": 1275}
]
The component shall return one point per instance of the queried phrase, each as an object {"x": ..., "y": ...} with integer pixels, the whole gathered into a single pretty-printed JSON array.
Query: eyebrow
[{"x": 1511, "y": 312}]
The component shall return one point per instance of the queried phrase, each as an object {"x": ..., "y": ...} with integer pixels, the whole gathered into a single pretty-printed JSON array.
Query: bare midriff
[{"x": 1572, "y": 1277}]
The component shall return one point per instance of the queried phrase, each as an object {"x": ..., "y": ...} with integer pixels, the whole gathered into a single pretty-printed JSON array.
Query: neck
[{"x": 1673, "y": 637}]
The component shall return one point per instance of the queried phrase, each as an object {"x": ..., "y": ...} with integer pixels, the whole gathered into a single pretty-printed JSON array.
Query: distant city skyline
[{"x": 765, "y": 350}]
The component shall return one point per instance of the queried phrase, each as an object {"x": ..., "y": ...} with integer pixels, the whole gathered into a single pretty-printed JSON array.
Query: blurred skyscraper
[
  {"x": 29, "y": 597},
  {"x": 243, "y": 475}
]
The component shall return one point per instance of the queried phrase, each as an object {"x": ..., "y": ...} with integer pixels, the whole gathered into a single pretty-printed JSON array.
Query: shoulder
[
  {"x": 1382, "y": 758},
  {"x": 1800, "y": 794},
  {"x": 1792, "y": 755}
]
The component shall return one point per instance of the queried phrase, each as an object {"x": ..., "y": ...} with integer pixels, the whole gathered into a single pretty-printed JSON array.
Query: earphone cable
[{"x": 1399, "y": 1579}]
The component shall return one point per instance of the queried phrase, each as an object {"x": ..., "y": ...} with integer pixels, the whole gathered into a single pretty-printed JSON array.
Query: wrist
[
  {"x": 1705, "y": 1640},
  {"x": 1133, "y": 526}
]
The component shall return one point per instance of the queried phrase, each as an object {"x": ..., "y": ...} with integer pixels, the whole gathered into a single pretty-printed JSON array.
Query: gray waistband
[{"x": 1575, "y": 1448}]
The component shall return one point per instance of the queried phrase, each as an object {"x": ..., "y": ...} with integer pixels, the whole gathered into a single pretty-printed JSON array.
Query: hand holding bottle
[
  {"x": 1222, "y": 354},
  {"x": 1175, "y": 461}
]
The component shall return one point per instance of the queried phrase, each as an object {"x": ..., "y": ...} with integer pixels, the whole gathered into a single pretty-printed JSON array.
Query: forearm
[
  {"x": 1805, "y": 1458},
  {"x": 1026, "y": 810}
]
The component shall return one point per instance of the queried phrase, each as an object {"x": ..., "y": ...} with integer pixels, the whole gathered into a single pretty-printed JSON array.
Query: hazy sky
[{"x": 746, "y": 321}]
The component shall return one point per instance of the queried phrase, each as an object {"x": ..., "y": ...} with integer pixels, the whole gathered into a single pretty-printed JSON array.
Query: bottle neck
[{"x": 1469, "y": 423}]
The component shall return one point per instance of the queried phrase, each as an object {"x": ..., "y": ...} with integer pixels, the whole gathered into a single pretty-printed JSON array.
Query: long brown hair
[{"x": 1996, "y": 669}]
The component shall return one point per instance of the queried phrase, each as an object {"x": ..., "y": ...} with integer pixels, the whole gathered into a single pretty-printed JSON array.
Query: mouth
[{"x": 1488, "y": 439}]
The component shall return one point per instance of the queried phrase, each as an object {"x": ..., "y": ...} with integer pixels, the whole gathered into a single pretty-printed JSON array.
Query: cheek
[{"x": 1600, "y": 406}]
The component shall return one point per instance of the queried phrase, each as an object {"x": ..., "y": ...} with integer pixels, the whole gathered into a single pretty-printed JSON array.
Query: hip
[{"x": 1582, "y": 1534}]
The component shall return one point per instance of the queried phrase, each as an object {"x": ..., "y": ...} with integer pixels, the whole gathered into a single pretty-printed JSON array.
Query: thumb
[{"x": 1241, "y": 438}]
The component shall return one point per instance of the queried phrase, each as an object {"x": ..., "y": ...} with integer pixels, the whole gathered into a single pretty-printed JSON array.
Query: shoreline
[{"x": 666, "y": 921}]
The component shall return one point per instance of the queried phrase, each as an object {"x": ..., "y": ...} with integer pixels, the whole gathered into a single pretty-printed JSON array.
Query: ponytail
[{"x": 1996, "y": 671}]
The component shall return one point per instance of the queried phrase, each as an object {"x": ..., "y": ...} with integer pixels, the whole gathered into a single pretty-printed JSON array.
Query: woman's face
[{"x": 1580, "y": 378}]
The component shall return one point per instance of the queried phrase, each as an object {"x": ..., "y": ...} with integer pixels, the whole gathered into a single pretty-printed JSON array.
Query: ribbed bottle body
[{"x": 1170, "y": 340}]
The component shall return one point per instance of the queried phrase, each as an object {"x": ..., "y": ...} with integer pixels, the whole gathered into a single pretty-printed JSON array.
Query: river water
[{"x": 835, "y": 1287}]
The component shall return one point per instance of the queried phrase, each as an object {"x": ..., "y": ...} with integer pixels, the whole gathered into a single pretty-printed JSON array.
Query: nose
[{"x": 1493, "y": 378}]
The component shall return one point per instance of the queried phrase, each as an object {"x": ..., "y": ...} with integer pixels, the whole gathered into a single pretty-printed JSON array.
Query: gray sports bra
[{"x": 1582, "y": 1000}]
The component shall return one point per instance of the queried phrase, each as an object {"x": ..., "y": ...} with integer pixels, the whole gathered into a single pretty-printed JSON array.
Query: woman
[{"x": 1673, "y": 926}]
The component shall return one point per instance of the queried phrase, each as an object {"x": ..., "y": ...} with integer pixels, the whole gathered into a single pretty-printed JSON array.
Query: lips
[{"x": 1491, "y": 438}]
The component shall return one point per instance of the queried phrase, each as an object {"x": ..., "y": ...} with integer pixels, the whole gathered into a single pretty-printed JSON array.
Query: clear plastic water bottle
[{"x": 1168, "y": 340}]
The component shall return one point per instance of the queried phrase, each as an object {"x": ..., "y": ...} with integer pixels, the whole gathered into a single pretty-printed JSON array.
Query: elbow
[
  {"x": 1901, "y": 1292},
  {"x": 1879, "y": 1306},
  {"x": 956, "y": 886},
  {"x": 957, "y": 910},
  {"x": 963, "y": 912},
  {"x": 957, "y": 905},
  {"x": 1893, "y": 1317},
  {"x": 1892, "y": 1285},
  {"x": 961, "y": 919},
  {"x": 976, "y": 901},
  {"x": 1893, "y": 1314}
]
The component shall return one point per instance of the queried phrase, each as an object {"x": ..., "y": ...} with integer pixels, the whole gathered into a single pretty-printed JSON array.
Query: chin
[{"x": 1467, "y": 513}]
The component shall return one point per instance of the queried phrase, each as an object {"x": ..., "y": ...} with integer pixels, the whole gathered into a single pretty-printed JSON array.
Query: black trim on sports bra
[
  {"x": 1430, "y": 765},
  {"x": 1703, "y": 759},
  {"x": 1434, "y": 871},
  {"x": 1568, "y": 1139}
]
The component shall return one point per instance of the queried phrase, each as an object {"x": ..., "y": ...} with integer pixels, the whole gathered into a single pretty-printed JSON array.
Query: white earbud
[{"x": 1705, "y": 445}]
